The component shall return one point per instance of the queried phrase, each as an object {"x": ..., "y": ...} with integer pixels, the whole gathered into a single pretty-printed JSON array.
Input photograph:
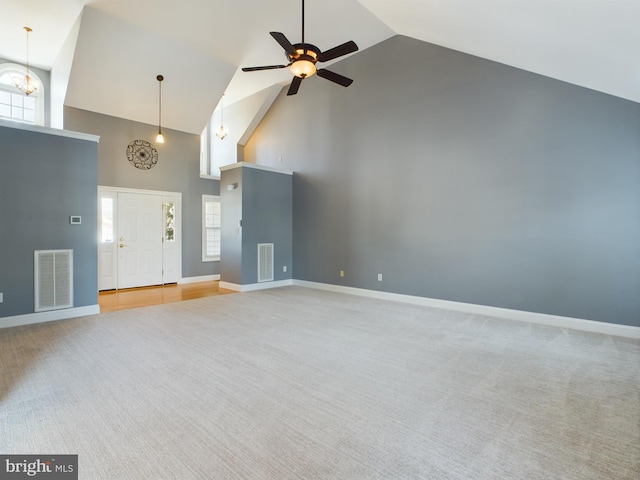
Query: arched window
[{"x": 15, "y": 105}]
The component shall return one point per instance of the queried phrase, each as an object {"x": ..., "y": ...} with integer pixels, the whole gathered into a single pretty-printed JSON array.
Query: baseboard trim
[
  {"x": 51, "y": 316},
  {"x": 505, "y": 313},
  {"x": 202, "y": 278},
  {"x": 252, "y": 287}
]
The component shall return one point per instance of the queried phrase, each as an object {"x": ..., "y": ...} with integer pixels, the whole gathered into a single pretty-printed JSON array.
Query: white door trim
[
  {"x": 138, "y": 190},
  {"x": 171, "y": 196}
]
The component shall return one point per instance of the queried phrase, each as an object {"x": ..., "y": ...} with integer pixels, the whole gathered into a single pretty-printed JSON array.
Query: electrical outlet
[
  {"x": 379, "y": 277},
  {"x": 284, "y": 268},
  {"x": 342, "y": 273},
  {"x": 1, "y": 297}
]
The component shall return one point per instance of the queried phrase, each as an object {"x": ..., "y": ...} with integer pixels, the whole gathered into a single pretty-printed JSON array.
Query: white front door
[
  {"x": 139, "y": 238},
  {"x": 140, "y": 235}
]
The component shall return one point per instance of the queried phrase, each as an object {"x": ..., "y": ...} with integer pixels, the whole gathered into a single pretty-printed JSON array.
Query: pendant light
[
  {"x": 222, "y": 132},
  {"x": 26, "y": 84},
  {"x": 160, "y": 138}
]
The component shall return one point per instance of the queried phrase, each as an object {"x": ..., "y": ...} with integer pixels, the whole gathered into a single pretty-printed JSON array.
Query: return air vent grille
[
  {"x": 53, "y": 279},
  {"x": 265, "y": 262}
]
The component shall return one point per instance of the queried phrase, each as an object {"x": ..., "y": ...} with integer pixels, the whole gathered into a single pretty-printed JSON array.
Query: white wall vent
[
  {"x": 265, "y": 262},
  {"x": 53, "y": 279}
]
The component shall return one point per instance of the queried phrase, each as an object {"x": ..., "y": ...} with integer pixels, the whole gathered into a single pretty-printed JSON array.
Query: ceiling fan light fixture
[
  {"x": 302, "y": 58},
  {"x": 303, "y": 68}
]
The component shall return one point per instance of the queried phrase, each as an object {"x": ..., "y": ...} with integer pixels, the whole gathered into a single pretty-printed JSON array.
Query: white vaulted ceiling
[
  {"x": 591, "y": 43},
  {"x": 200, "y": 45}
]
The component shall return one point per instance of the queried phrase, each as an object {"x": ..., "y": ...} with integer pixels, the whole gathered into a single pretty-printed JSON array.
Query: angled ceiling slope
[
  {"x": 114, "y": 73},
  {"x": 592, "y": 43},
  {"x": 200, "y": 45}
]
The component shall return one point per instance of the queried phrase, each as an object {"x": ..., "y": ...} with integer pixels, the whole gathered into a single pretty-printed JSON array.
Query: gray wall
[
  {"x": 231, "y": 233},
  {"x": 43, "y": 180},
  {"x": 462, "y": 179},
  {"x": 263, "y": 201},
  {"x": 266, "y": 218},
  {"x": 178, "y": 170}
]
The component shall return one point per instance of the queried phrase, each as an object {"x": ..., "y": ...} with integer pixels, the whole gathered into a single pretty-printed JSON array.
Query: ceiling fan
[{"x": 303, "y": 57}]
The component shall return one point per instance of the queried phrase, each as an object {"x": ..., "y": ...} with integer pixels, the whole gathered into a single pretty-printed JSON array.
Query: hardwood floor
[{"x": 141, "y": 297}]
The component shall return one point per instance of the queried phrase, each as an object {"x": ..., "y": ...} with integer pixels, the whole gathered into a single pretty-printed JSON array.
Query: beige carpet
[{"x": 294, "y": 383}]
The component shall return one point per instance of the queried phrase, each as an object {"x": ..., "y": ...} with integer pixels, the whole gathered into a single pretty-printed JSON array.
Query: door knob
[{"x": 122, "y": 245}]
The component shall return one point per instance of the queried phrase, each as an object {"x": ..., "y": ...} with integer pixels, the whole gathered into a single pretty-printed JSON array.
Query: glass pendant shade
[
  {"x": 221, "y": 132},
  {"x": 303, "y": 68},
  {"x": 26, "y": 84}
]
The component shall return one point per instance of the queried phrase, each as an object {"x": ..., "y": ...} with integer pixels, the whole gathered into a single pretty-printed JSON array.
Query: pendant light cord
[
  {"x": 160, "y": 78},
  {"x": 160, "y": 138},
  {"x": 28, "y": 30}
]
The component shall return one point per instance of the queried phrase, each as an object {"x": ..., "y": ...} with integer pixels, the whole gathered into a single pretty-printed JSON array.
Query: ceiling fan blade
[
  {"x": 284, "y": 43},
  {"x": 295, "y": 85},
  {"x": 266, "y": 67},
  {"x": 340, "y": 50},
  {"x": 334, "y": 77}
]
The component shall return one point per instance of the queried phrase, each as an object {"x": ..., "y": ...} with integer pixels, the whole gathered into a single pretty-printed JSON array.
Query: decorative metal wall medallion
[{"x": 141, "y": 154}]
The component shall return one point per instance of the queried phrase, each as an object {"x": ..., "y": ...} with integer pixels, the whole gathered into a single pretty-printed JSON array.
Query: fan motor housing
[{"x": 305, "y": 51}]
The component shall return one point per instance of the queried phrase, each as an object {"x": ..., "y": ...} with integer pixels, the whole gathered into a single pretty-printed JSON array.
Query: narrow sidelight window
[{"x": 211, "y": 211}]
